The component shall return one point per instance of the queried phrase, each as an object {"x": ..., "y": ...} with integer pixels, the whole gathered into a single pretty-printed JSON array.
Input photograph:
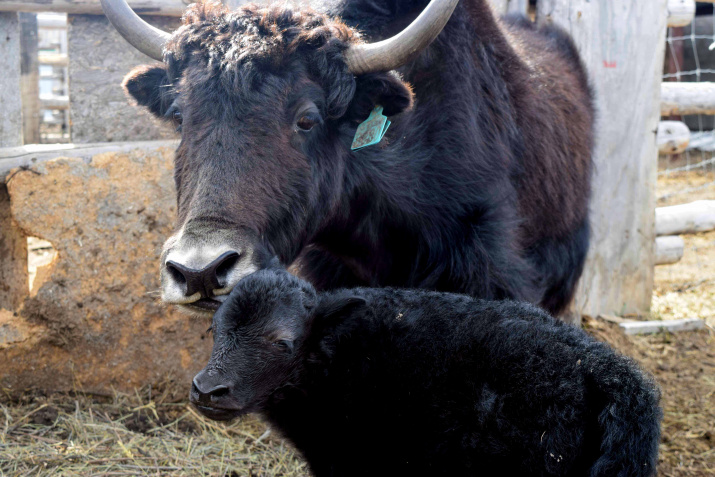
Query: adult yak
[{"x": 480, "y": 186}]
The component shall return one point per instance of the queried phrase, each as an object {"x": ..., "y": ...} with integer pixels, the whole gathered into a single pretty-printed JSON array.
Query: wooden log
[
  {"x": 625, "y": 65},
  {"x": 698, "y": 216},
  {"x": 650, "y": 327},
  {"x": 172, "y": 8},
  {"x": 673, "y": 137},
  {"x": 499, "y": 6},
  {"x": 29, "y": 85},
  {"x": 10, "y": 99},
  {"x": 28, "y": 156},
  {"x": 678, "y": 99},
  {"x": 14, "y": 284},
  {"x": 668, "y": 249},
  {"x": 51, "y": 22},
  {"x": 61, "y": 103},
  {"x": 502, "y": 7},
  {"x": 518, "y": 6},
  {"x": 680, "y": 12},
  {"x": 53, "y": 60}
]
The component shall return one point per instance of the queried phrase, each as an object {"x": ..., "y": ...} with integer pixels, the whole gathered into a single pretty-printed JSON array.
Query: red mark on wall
[{"x": 610, "y": 64}]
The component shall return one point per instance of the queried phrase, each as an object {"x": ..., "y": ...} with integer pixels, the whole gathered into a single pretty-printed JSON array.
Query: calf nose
[
  {"x": 203, "y": 281},
  {"x": 208, "y": 397}
]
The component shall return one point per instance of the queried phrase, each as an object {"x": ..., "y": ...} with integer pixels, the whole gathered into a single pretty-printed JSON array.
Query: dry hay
[
  {"x": 93, "y": 435},
  {"x": 684, "y": 363},
  {"x": 687, "y": 289},
  {"x": 684, "y": 366}
]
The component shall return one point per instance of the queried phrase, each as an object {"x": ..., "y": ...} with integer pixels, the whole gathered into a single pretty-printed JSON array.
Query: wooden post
[
  {"x": 14, "y": 286},
  {"x": 622, "y": 43},
  {"x": 29, "y": 85},
  {"x": 10, "y": 103}
]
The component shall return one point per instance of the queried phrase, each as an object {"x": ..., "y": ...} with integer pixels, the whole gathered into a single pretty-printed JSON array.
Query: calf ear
[
  {"x": 383, "y": 89},
  {"x": 149, "y": 85},
  {"x": 334, "y": 308},
  {"x": 333, "y": 319}
]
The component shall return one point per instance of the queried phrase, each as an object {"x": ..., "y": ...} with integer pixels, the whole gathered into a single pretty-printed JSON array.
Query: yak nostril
[
  {"x": 203, "y": 281},
  {"x": 175, "y": 272},
  {"x": 227, "y": 263}
]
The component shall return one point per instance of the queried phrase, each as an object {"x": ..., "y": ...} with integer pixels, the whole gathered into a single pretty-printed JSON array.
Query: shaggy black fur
[
  {"x": 416, "y": 383},
  {"x": 481, "y": 187}
]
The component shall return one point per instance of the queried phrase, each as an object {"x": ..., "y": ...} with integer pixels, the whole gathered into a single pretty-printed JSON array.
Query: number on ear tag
[{"x": 372, "y": 130}]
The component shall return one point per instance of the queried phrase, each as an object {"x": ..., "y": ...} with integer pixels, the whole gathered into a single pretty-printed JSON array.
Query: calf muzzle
[{"x": 213, "y": 398}]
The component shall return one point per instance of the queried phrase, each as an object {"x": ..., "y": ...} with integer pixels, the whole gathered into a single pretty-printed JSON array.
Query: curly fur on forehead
[{"x": 253, "y": 41}]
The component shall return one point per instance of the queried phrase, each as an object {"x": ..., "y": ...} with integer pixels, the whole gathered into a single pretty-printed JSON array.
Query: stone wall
[
  {"x": 94, "y": 320},
  {"x": 99, "y": 60}
]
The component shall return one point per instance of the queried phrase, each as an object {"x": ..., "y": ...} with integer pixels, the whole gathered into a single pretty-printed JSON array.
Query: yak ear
[
  {"x": 383, "y": 89},
  {"x": 149, "y": 86}
]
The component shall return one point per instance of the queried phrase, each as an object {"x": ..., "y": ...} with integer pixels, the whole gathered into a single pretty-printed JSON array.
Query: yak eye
[
  {"x": 176, "y": 115},
  {"x": 307, "y": 121},
  {"x": 283, "y": 345}
]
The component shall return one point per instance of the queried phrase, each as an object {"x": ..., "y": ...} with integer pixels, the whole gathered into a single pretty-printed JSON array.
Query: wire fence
[
  {"x": 686, "y": 289},
  {"x": 690, "y": 57}
]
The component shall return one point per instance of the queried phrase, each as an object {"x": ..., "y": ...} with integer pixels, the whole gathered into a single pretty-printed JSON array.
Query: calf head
[
  {"x": 267, "y": 107},
  {"x": 257, "y": 333},
  {"x": 263, "y": 333}
]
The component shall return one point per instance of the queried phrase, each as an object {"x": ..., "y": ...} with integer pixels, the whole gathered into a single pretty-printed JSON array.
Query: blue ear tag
[{"x": 372, "y": 130}]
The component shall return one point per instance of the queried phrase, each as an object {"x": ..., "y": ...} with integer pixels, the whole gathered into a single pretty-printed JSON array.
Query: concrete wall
[{"x": 10, "y": 103}]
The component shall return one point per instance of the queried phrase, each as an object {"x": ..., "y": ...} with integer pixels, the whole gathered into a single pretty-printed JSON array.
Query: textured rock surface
[
  {"x": 96, "y": 323},
  {"x": 99, "y": 60}
]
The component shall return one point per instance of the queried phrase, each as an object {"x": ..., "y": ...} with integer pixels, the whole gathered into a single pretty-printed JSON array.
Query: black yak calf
[{"x": 369, "y": 382}]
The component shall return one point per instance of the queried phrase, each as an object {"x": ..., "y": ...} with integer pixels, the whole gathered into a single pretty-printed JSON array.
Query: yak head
[{"x": 267, "y": 101}]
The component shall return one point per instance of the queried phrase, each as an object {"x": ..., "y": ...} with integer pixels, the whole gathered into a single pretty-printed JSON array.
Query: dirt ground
[{"x": 155, "y": 432}]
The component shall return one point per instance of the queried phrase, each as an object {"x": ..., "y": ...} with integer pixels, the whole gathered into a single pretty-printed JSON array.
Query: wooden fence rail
[{"x": 173, "y": 8}]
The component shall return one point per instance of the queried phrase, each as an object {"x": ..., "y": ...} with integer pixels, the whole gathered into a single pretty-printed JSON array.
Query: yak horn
[
  {"x": 142, "y": 36},
  {"x": 394, "y": 52}
]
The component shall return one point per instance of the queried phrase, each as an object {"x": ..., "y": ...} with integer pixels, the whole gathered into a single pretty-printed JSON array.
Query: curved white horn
[
  {"x": 142, "y": 36},
  {"x": 394, "y": 52}
]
